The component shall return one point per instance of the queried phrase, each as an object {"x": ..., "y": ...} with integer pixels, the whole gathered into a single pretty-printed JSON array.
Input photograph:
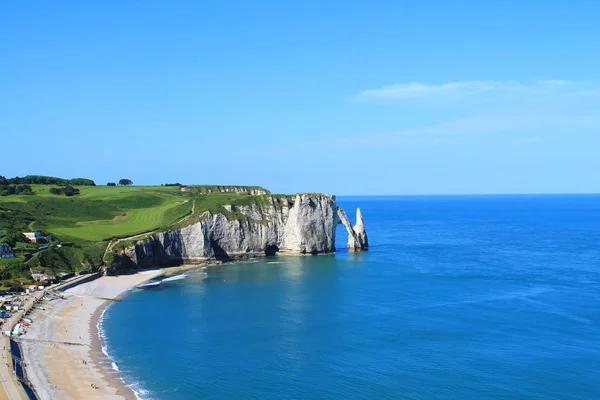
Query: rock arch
[{"x": 357, "y": 235}]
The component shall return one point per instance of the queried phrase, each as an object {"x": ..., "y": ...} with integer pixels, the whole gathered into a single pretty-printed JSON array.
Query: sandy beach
[{"x": 62, "y": 350}]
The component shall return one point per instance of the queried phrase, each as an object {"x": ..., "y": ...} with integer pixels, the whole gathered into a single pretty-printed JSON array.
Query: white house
[
  {"x": 33, "y": 237},
  {"x": 6, "y": 251}
]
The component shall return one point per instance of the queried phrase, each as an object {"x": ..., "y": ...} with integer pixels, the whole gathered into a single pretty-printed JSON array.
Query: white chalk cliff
[{"x": 305, "y": 224}]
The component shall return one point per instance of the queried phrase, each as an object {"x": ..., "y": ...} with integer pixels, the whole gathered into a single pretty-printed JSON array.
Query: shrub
[{"x": 67, "y": 191}]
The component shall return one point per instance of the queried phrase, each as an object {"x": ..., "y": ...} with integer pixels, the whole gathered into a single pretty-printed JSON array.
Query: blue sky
[{"x": 355, "y": 97}]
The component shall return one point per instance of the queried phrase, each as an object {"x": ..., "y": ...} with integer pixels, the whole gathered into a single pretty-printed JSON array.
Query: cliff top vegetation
[{"x": 99, "y": 215}]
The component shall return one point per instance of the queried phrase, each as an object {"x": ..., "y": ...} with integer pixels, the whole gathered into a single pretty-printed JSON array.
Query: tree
[
  {"x": 70, "y": 190},
  {"x": 46, "y": 180},
  {"x": 82, "y": 182},
  {"x": 11, "y": 238},
  {"x": 6, "y": 190},
  {"x": 67, "y": 191},
  {"x": 125, "y": 182},
  {"x": 111, "y": 184}
]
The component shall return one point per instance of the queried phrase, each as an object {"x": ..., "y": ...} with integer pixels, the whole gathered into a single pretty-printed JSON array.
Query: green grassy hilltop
[
  {"x": 86, "y": 223},
  {"x": 97, "y": 213}
]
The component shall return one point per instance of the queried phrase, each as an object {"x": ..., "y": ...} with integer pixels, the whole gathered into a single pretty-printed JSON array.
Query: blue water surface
[{"x": 463, "y": 297}]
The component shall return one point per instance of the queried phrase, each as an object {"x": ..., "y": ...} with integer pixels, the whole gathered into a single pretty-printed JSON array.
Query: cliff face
[{"x": 305, "y": 225}]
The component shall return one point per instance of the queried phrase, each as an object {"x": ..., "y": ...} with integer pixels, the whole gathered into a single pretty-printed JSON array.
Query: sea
[{"x": 458, "y": 297}]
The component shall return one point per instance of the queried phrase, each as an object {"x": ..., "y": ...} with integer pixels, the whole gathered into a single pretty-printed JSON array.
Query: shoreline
[
  {"x": 99, "y": 356},
  {"x": 63, "y": 347},
  {"x": 103, "y": 360}
]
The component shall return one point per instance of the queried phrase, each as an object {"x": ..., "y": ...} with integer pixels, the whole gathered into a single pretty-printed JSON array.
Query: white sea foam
[
  {"x": 150, "y": 284},
  {"x": 101, "y": 335},
  {"x": 115, "y": 366},
  {"x": 174, "y": 278},
  {"x": 139, "y": 392}
]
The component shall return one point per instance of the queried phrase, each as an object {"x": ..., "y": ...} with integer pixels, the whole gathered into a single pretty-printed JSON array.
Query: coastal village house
[
  {"x": 6, "y": 251},
  {"x": 44, "y": 277},
  {"x": 36, "y": 237}
]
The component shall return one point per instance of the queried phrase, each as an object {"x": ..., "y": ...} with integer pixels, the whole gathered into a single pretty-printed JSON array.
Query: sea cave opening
[{"x": 271, "y": 250}]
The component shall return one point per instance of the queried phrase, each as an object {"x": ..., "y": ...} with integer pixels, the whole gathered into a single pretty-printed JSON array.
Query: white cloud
[
  {"x": 526, "y": 125},
  {"x": 460, "y": 91},
  {"x": 525, "y": 113}
]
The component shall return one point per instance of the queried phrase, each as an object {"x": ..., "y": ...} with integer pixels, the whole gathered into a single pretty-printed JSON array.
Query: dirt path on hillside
[{"x": 191, "y": 214}]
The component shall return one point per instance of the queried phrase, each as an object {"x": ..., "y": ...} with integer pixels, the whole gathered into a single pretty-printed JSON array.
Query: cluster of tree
[
  {"x": 45, "y": 180},
  {"x": 14, "y": 275},
  {"x": 81, "y": 182},
  {"x": 11, "y": 237},
  {"x": 67, "y": 190},
  {"x": 6, "y": 190},
  {"x": 122, "y": 182},
  {"x": 172, "y": 184}
]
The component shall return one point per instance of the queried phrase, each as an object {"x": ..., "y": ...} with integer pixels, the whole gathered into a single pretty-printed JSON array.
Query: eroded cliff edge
[{"x": 300, "y": 224}]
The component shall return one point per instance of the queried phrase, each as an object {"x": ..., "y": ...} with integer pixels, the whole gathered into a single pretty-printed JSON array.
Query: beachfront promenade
[{"x": 11, "y": 387}]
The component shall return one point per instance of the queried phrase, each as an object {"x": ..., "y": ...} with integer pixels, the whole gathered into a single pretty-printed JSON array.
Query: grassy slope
[
  {"x": 98, "y": 213},
  {"x": 89, "y": 220}
]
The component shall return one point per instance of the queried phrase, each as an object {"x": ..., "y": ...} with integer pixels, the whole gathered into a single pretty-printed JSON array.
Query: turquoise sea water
[{"x": 458, "y": 298}]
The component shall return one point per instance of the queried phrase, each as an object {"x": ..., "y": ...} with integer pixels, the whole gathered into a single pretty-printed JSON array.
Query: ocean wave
[
  {"x": 150, "y": 284},
  {"x": 115, "y": 366},
  {"x": 101, "y": 335},
  {"x": 139, "y": 392},
  {"x": 174, "y": 278}
]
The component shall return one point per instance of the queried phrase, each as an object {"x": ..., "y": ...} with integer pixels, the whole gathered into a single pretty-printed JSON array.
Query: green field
[
  {"x": 86, "y": 223},
  {"x": 101, "y": 213},
  {"x": 134, "y": 219},
  {"x": 98, "y": 213}
]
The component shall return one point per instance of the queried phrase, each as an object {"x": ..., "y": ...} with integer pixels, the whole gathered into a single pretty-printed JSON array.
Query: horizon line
[{"x": 472, "y": 194}]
